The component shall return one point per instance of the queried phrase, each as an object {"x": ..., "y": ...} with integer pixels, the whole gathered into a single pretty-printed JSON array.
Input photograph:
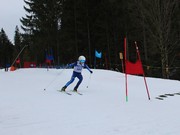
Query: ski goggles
[{"x": 82, "y": 61}]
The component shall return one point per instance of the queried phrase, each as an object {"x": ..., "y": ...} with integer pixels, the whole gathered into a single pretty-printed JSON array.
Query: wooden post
[{"x": 121, "y": 58}]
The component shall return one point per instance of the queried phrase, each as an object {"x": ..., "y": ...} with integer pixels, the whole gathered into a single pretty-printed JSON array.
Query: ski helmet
[{"x": 82, "y": 59}]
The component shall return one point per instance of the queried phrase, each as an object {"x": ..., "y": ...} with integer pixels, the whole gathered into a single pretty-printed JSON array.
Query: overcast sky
[{"x": 10, "y": 13}]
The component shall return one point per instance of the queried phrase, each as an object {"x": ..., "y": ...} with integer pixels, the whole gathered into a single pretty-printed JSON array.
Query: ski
[
  {"x": 77, "y": 92},
  {"x": 65, "y": 92}
]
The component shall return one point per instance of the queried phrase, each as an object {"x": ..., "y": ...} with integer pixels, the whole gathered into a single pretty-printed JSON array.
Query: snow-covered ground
[{"x": 27, "y": 109}]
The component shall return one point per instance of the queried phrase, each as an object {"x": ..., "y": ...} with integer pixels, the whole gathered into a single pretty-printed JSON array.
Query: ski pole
[
  {"x": 89, "y": 80},
  {"x": 54, "y": 79}
]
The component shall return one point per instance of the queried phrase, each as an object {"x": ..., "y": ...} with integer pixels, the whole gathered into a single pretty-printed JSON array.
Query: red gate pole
[
  {"x": 137, "y": 50},
  {"x": 125, "y": 59}
]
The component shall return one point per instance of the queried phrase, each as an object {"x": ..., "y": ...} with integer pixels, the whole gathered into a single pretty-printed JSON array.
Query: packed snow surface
[{"x": 27, "y": 109}]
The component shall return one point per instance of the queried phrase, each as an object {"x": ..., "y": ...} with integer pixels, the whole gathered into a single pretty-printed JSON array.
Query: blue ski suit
[{"x": 77, "y": 73}]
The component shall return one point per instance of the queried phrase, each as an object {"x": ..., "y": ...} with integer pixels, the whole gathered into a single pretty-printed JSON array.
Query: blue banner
[
  {"x": 49, "y": 56},
  {"x": 98, "y": 55}
]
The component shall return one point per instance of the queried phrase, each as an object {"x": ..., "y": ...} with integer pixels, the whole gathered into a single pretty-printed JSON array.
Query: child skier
[{"x": 78, "y": 66}]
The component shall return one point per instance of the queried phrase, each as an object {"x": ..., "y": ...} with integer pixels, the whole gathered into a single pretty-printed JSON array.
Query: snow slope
[{"x": 26, "y": 109}]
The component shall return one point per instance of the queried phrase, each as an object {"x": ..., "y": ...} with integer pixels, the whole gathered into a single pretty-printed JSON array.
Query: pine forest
[{"x": 62, "y": 30}]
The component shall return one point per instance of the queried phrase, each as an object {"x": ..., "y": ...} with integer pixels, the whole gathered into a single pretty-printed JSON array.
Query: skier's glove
[
  {"x": 91, "y": 72},
  {"x": 69, "y": 65}
]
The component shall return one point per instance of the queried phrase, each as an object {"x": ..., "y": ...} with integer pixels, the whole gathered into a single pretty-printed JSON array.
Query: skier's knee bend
[
  {"x": 80, "y": 79},
  {"x": 68, "y": 83}
]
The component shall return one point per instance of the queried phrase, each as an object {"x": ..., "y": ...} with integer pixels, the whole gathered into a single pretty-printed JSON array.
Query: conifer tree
[
  {"x": 6, "y": 50},
  {"x": 42, "y": 24}
]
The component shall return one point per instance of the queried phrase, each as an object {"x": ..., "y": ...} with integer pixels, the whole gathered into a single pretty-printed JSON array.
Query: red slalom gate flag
[{"x": 134, "y": 69}]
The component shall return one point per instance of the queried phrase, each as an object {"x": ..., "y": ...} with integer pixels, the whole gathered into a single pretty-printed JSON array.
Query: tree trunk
[
  {"x": 88, "y": 33},
  {"x": 75, "y": 29},
  {"x": 108, "y": 44}
]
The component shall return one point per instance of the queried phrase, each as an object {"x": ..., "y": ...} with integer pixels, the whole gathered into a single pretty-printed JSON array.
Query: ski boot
[
  {"x": 64, "y": 88},
  {"x": 75, "y": 89}
]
